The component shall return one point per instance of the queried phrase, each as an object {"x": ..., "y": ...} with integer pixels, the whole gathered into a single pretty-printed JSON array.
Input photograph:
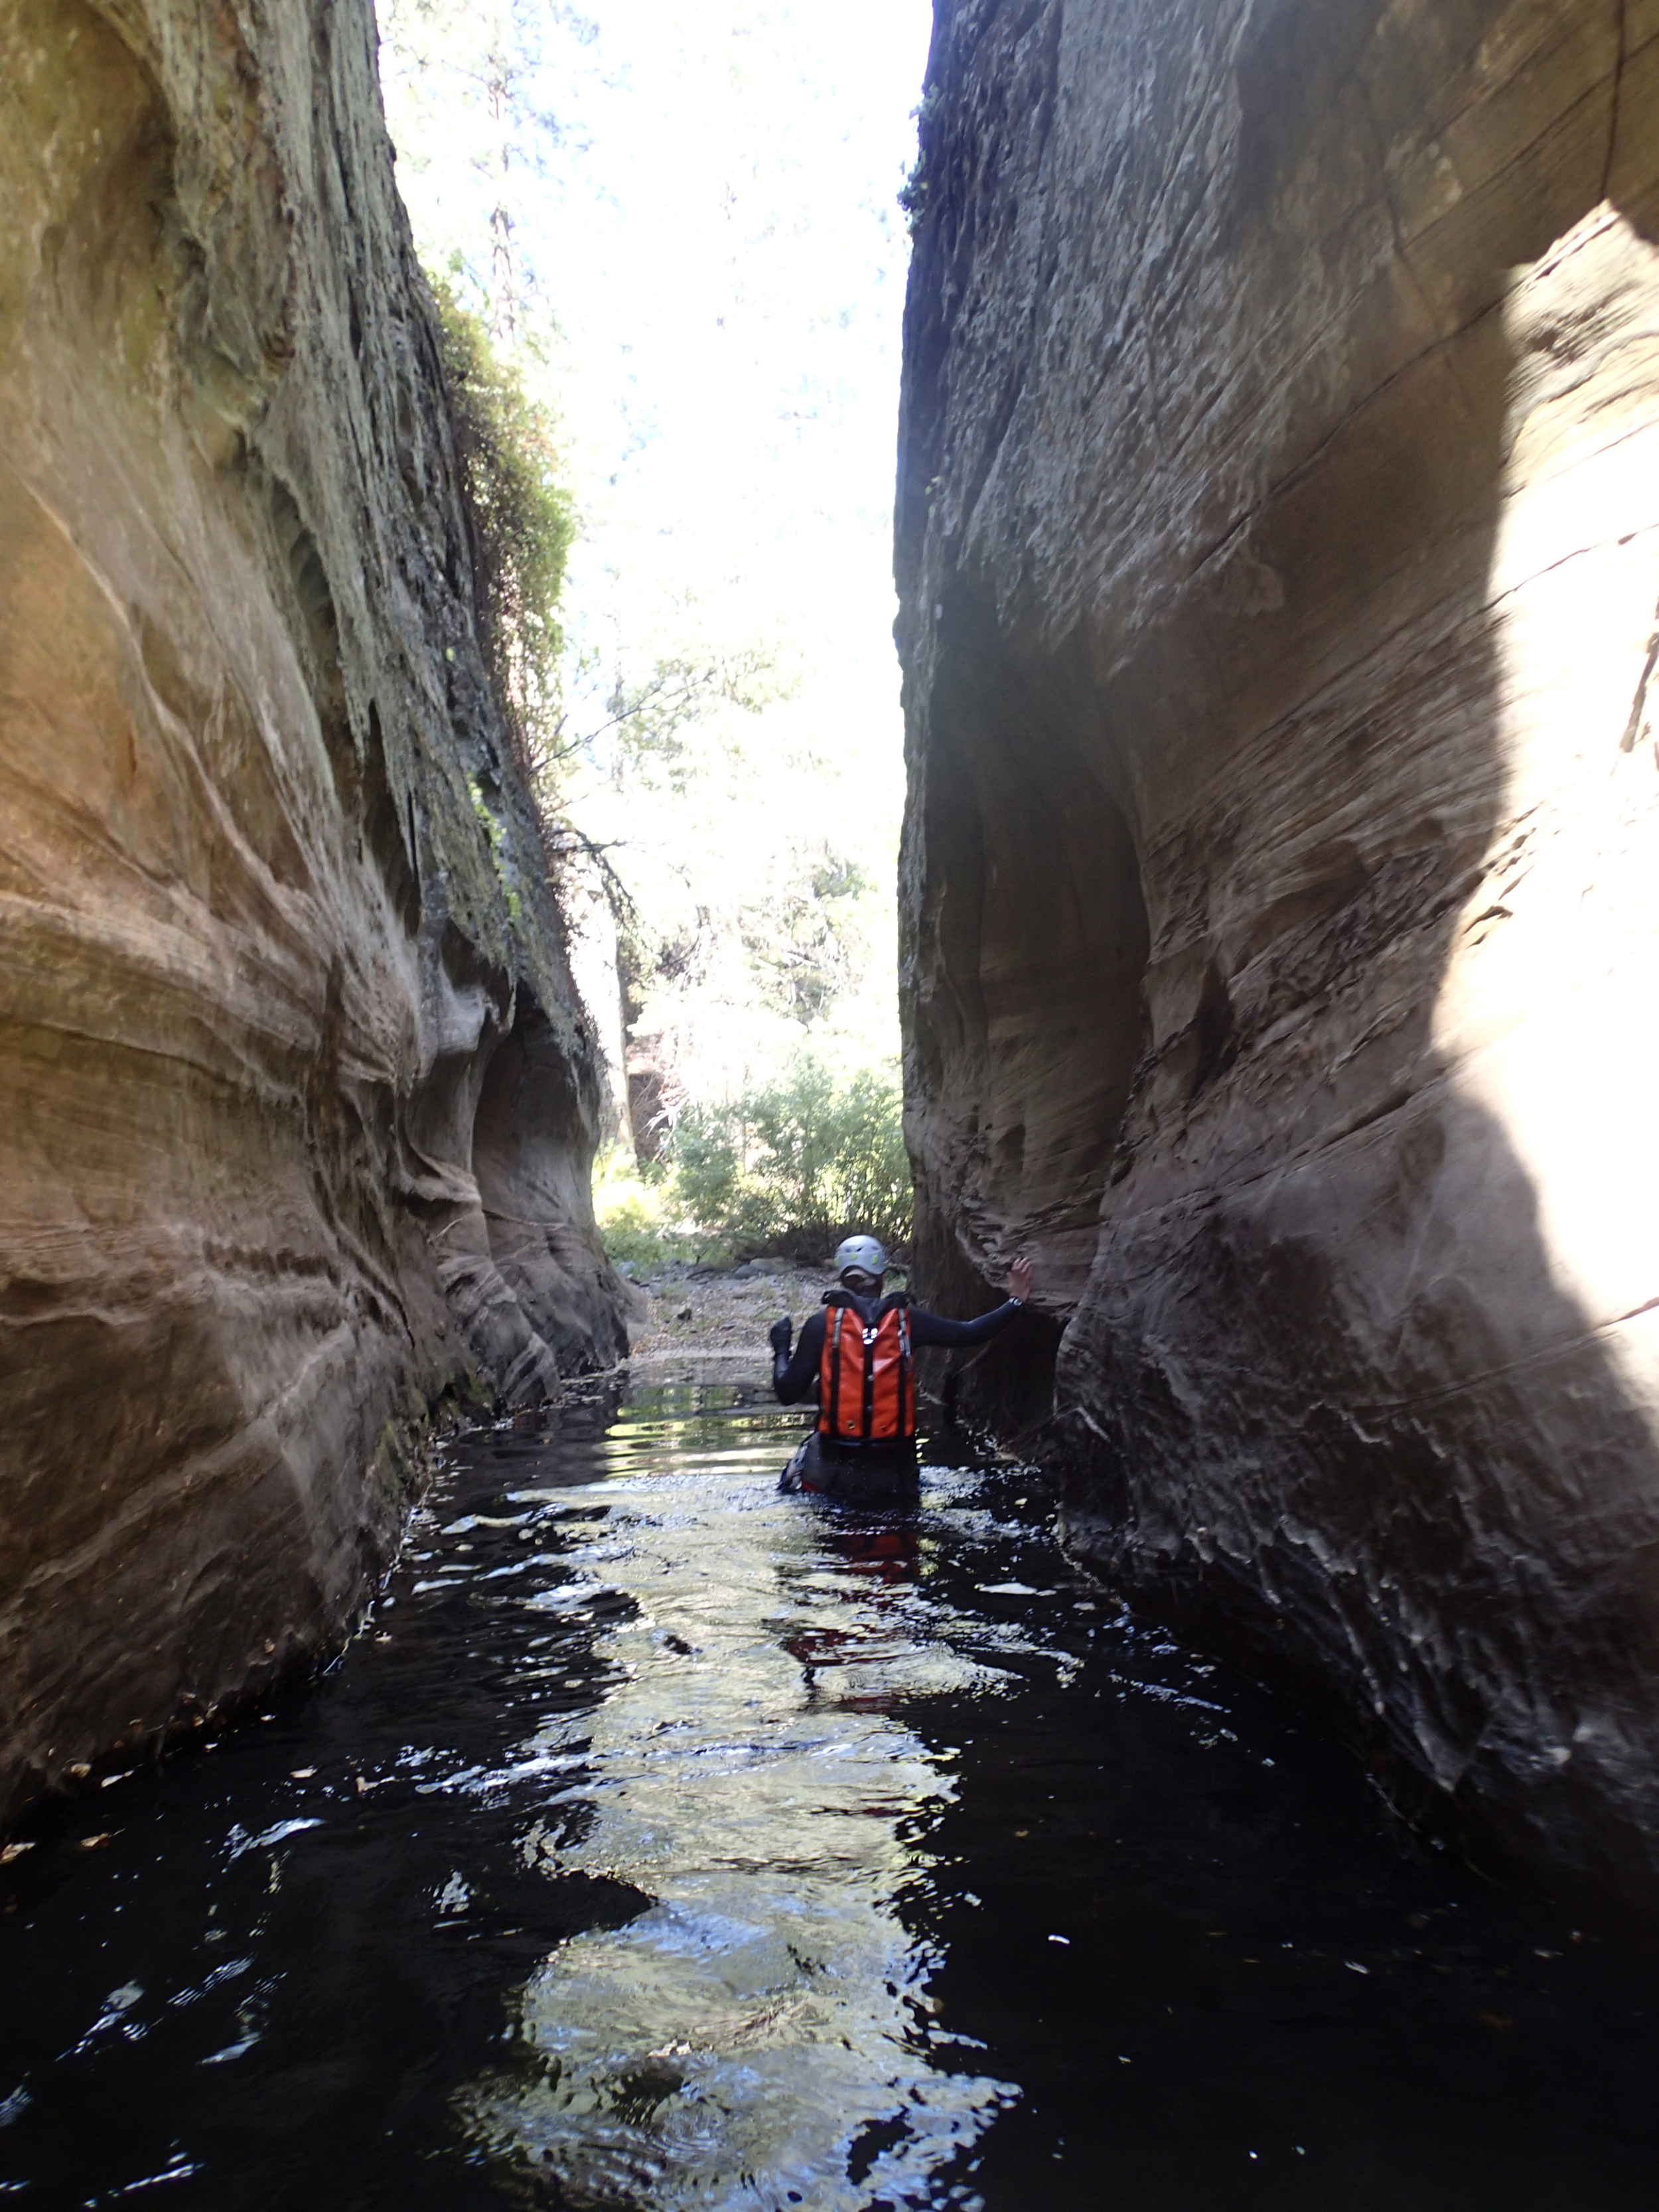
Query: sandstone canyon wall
[
  {"x": 1278, "y": 555},
  {"x": 296, "y": 1100}
]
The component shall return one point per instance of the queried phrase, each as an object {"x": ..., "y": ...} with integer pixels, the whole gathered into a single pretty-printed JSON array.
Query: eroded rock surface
[
  {"x": 1278, "y": 551},
  {"x": 296, "y": 1100}
]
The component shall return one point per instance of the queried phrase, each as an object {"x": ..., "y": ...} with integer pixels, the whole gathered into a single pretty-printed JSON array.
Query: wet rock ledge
[
  {"x": 1279, "y": 553},
  {"x": 296, "y": 1099}
]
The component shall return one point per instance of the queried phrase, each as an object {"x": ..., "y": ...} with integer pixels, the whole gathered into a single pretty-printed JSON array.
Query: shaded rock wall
[
  {"x": 1279, "y": 554},
  {"x": 296, "y": 1100}
]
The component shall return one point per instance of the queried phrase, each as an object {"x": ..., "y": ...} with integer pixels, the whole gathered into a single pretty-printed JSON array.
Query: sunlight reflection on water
[{"x": 750, "y": 1770}]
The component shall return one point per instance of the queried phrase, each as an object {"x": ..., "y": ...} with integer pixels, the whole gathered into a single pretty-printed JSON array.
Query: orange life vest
[{"x": 866, "y": 1394}]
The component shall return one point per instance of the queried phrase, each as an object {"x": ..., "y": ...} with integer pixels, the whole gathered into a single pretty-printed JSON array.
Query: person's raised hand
[
  {"x": 779, "y": 1335},
  {"x": 1019, "y": 1279}
]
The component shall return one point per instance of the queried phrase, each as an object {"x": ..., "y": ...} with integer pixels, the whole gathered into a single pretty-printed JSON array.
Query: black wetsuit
[{"x": 853, "y": 1470}]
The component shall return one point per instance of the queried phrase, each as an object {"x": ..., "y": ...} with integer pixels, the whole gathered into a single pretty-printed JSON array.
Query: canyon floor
[{"x": 689, "y": 1315}]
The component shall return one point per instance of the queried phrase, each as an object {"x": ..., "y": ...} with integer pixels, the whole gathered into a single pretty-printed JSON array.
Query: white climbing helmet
[{"x": 863, "y": 1256}]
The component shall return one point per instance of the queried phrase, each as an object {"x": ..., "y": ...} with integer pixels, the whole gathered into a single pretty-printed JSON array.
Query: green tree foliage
[
  {"x": 466, "y": 80},
  {"x": 807, "y": 943},
  {"x": 524, "y": 519},
  {"x": 645, "y": 725},
  {"x": 802, "y": 1161}
]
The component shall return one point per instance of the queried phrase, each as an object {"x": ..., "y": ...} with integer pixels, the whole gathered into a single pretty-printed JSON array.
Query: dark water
[{"x": 668, "y": 1843}]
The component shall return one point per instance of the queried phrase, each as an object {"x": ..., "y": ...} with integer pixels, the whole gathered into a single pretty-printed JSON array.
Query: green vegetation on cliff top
[{"x": 525, "y": 521}]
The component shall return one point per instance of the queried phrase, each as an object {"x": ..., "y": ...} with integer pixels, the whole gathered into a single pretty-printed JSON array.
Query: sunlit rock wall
[
  {"x": 1278, "y": 549},
  {"x": 296, "y": 1101}
]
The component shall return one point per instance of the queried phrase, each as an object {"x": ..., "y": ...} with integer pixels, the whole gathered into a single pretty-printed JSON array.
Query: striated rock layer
[
  {"x": 296, "y": 1100},
  {"x": 1279, "y": 551}
]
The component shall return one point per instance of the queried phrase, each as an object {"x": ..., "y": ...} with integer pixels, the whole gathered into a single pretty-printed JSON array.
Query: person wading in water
[{"x": 856, "y": 1355}]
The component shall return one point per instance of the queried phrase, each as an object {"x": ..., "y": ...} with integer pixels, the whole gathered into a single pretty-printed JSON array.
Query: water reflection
[
  {"x": 666, "y": 1841},
  {"x": 736, "y": 2042}
]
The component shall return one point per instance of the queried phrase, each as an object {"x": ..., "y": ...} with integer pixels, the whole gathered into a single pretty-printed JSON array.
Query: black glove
[{"x": 779, "y": 1335}]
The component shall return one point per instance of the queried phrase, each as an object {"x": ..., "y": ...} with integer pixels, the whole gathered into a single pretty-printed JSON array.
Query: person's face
[{"x": 862, "y": 1286}]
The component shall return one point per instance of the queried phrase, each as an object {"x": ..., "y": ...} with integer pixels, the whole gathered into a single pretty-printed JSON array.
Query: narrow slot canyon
[{"x": 513, "y": 903}]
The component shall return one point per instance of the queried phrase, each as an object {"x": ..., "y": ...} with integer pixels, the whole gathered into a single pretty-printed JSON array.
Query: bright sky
[{"x": 714, "y": 231}]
